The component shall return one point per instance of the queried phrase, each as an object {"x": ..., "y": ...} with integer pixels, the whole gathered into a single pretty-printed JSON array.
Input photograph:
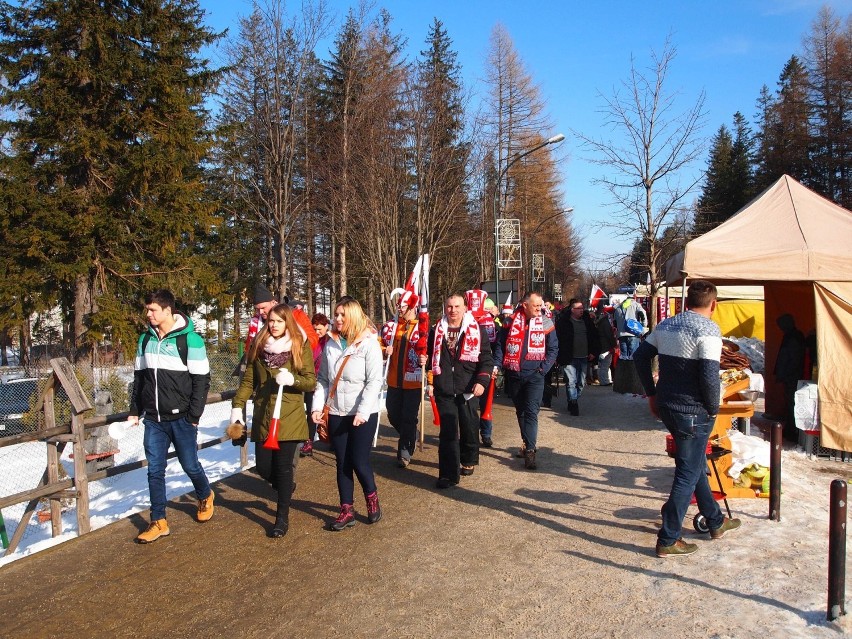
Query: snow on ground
[{"x": 112, "y": 498}]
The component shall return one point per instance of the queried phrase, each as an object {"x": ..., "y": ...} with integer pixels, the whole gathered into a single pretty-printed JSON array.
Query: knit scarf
[
  {"x": 255, "y": 324},
  {"x": 514, "y": 343},
  {"x": 468, "y": 336},
  {"x": 276, "y": 352}
]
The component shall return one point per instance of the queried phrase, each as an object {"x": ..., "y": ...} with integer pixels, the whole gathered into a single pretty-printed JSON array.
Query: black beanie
[{"x": 262, "y": 294}]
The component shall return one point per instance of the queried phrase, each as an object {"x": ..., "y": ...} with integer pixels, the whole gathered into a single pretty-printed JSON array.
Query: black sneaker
[
  {"x": 444, "y": 483},
  {"x": 487, "y": 442}
]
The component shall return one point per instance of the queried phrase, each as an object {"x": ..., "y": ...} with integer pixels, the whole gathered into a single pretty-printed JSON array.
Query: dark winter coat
[
  {"x": 456, "y": 376},
  {"x": 164, "y": 387},
  {"x": 565, "y": 335}
]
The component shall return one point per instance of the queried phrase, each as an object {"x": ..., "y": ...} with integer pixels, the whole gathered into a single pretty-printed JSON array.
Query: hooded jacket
[{"x": 164, "y": 388}]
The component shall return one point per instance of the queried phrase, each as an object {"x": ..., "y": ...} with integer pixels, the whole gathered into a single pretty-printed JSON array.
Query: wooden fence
[{"x": 74, "y": 432}]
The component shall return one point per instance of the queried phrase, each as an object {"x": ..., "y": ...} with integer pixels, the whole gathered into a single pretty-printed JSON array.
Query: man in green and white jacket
[{"x": 171, "y": 380}]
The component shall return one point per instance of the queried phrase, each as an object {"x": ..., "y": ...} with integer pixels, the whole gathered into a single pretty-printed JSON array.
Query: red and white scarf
[
  {"x": 536, "y": 340},
  {"x": 468, "y": 337}
]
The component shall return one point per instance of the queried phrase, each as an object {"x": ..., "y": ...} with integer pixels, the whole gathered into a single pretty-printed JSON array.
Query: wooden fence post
[{"x": 79, "y": 404}]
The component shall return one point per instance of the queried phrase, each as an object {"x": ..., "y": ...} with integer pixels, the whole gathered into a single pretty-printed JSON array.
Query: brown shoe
[
  {"x": 677, "y": 549},
  {"x": 529, "y": 460},
  {"x": 157, "y": 529},
  {"x": 205, "y": 507},
  {"x": 522, "y": 452},
  {"x": 727, "y": 526}
]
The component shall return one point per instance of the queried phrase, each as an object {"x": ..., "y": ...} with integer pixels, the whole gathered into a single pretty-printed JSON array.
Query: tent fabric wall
[
  {"x": 740, "y": 318},
  {"x": 834, "y": 353}
]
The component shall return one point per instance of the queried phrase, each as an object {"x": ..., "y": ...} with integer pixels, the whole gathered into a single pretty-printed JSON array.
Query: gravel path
[{"x": 566, "y": 551}]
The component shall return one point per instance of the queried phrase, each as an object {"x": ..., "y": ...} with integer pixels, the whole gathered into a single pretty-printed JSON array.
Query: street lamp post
[
  {"x": 553, "y": 140},
  {"x": 565, "y": 211}
]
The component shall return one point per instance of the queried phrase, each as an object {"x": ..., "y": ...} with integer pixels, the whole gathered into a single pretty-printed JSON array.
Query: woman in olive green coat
[{"x": 280, "y": 355}]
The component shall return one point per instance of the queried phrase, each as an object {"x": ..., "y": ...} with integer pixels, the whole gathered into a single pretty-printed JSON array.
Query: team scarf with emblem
[
  {"x": 468, "y": 337},
  {"x": 514, "y": 343}
]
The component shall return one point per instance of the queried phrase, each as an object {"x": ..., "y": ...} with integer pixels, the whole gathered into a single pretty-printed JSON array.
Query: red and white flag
[{"x": 596, "y": 295}]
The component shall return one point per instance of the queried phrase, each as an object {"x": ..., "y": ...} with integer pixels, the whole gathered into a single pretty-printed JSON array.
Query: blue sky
[{"x": 577, "y": 50}]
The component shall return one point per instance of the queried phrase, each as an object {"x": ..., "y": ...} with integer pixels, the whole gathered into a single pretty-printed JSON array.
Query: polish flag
[{"x": 596, "y": 295}]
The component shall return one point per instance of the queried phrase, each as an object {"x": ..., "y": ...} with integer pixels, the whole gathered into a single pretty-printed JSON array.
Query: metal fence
[{"x": 22, "y": 465}]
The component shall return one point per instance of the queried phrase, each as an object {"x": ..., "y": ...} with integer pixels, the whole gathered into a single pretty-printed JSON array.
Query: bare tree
[
  {"x": 655, "y": 151},
  {"x": 271, "y": 63},
  {"x": 515, "y": 120}
]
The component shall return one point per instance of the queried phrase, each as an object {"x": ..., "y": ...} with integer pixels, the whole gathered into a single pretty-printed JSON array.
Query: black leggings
[{"x": 276, "y": 467}]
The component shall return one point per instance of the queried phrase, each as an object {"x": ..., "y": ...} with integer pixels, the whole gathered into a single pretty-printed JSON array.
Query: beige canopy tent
[{"x": 798, "y": 245}]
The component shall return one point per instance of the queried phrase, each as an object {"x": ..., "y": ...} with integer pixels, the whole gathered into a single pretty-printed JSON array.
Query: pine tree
[
  {"x": 108, "y": 136},
  {"x": 729, "y": 183},
  {"x": 783, "y": 128}
]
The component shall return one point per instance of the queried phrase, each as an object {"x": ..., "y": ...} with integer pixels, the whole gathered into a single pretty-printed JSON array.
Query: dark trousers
[
  {"x": 352, "y": 445},
  {"x": 791, "y": 432},
  {"x": 312, "y": 428},
  {"x": 276, "y": 467},
  {"x": 526, "y": 393},
  {"x": 403, "y": 406},
  {"x": 458, "y": 441}
]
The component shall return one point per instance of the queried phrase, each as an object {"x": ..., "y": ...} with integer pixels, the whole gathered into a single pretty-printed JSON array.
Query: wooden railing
[{"x": 74, "y": 432}]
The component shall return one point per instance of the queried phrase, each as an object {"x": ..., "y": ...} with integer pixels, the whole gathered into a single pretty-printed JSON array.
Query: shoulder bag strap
[{"x": 333, "y": 388}]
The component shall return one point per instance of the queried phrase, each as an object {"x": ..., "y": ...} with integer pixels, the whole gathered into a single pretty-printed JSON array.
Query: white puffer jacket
[{"x": 361, "y": 381}]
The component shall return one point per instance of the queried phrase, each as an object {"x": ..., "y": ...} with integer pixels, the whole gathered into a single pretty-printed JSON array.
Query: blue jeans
[
  {"x": 352, "y": 445},
  {"x": 158, "y": 436},
  {"x": 690, "y": 433},
  {"x": 575, "y": 377},
  {"x": 627, "y": 345},
  {"x": 526, "y": 393}
]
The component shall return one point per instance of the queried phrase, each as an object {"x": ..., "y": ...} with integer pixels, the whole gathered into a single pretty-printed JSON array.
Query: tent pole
[{"x": 683, "y": 292}]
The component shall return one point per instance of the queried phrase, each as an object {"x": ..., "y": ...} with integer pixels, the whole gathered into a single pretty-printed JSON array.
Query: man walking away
[
  {"x": 170, "y": 384},
  {"x": 686, "y": 399}
]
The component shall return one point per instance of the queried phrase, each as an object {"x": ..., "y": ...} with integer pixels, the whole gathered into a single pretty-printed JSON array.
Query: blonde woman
[
  {"x": 354, "y": 359},
  {"x": 279, "y": 356}
]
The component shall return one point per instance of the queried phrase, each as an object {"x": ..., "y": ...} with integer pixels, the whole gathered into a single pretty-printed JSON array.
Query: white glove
[
  {"x": 284, "y": 378},
  {"x": 237, "y": 416}
]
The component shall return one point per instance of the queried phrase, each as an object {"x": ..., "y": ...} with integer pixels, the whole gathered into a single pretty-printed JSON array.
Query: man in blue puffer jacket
[{"x": 170, "y": 384}]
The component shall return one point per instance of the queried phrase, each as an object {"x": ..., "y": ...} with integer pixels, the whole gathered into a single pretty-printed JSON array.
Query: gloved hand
[
  {"x": 237, "y": 415},
  {"x": 284, "y": 378}
]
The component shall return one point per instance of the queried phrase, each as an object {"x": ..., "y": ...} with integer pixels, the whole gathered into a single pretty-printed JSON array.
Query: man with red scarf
[
  {"x": 404, "y": 376},
  {"x": 458, "y": 364},
  {"x": 526, "y": 349}
]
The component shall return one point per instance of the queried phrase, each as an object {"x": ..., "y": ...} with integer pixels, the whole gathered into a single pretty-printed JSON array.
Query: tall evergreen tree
[
  {"x": 108, "y": 134},
  {"x": 729, "y": 183},
  {"x": 784, "y": 128}
]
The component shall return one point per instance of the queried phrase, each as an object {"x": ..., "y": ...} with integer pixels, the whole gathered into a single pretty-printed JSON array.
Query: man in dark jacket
[
  {"x": 458, "y": 365},
  {"x": 170, "y": 384},
  {"x": 526, "y": 349},
  {"x": 789, "y": 369},
  {"x": 578, "y": 344}
]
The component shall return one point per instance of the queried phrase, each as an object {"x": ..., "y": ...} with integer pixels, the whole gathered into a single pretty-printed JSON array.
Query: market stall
[{"x": 796, "y": 244}]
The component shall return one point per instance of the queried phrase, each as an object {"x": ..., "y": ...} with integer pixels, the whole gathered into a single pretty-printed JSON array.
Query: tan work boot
[
  {"x": 205, "y": 508},
  {"x": 158, "y": 528}
]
